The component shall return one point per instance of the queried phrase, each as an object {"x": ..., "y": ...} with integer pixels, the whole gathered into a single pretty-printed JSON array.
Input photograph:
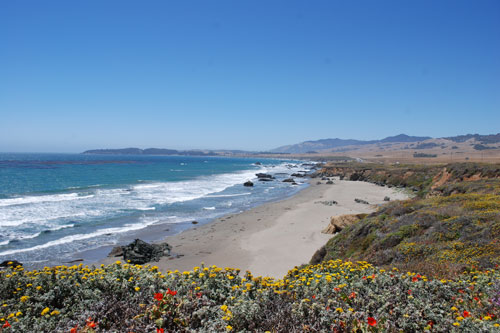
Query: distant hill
[
  {"x": 485, "y": 139},
  {"x": 325, "y": 144}
]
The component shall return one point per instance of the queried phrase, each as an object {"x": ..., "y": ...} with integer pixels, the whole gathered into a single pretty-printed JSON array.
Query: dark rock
[
  {"x": 294, "y": 183},
  {"x": 327, "y": 203},
  {"x": 319, "y": 183},
  {"x": 194, "y": 222},
  {"x": 288, "y": 180},
  {"x": 297, "y": 175},
  {"x": 387, "y": 199},
  {"x": 266, "y": 179},
  {"x": 140, "y": 252},
  {"x": 324, "y": 178},
  {"x": 264, "y": 176},
  {"x": 248, "y": 184},
  {"x": 258, "y": 163},
  {"x": 10, "y": 263},
  {"x": 329, "y": 182},
  {"x": 361, "y": 201}
]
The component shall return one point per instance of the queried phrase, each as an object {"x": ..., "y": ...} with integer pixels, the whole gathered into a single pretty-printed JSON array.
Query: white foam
[
  {"x": 146, "y": 208},
  {"x": 209, "y": 208},
  {"x": 228, "y": 195},
  {"x": 42, "y": 198},
  {"x": 79, "y": 237}
]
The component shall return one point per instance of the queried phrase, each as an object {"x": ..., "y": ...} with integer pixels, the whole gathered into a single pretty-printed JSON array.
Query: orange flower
[
  {"x": 160, "y": 330},
  {"x": 372, "y": 321},
  {"x": 466, "y": 314},
  {"x": 74, "y": 329},
  {"x": 158, "y": 296},
  {"x": 352, "y": 295},
  {"x": 336, "y": 289}
]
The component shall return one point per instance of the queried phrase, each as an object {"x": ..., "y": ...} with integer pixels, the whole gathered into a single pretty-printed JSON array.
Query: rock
[
  {"x": 288, "y": 180},
  {"x": 297, "y": 175},
  {"x": 265, "y": 180},
  {"x": 337, "y": 223},
  {"x": 329, "y": 182},
  {"x": 324, "y": 178},
  {"x": 10, "y": 263},
  {"x": 361, "y": 201},
  {"x": 194, "y": 222},
  {"x": 294, "y": 183},
  {"x": 264, "y": 176},
  {"x": 248, "y": 184},
  {"x": 387, "y": 199},
  {"x": 258, "y": 163},
  {"x": 117, "y": 251},
  {"x": 327, "y": 203},
  {"x": 319, "y": 183},
  {"x": 140, "y": 252}
]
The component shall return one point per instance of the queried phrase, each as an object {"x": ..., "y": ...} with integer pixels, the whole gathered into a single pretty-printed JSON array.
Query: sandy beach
[{"x": 272, "y": 238}]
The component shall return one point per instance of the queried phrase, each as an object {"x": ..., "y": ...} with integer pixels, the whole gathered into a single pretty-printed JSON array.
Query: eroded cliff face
[{"x": 423, "y": 180}]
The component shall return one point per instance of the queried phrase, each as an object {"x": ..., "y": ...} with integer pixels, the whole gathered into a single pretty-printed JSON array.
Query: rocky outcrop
[
  {"x": 337, "y": 223},
  {"x": 289, "y": 180},
  {"x": 248, "y": 184},
  {"x": 140, "y": 252},
  {"x": 264, "y": 176}
]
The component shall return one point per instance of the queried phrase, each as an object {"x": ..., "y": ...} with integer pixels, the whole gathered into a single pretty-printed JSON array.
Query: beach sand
[{"x": 273, "y": 238}]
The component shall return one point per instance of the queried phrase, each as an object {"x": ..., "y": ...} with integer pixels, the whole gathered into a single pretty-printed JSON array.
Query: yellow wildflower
[
  {"x": 137, "y": 288},
  {"x": 24, "y": 298},
  {"x": 229, "y": 328},
  {"x": 45, "y": 311},
  {"x": 55, "y": 313},
  {"x": 456, "y": 324}
]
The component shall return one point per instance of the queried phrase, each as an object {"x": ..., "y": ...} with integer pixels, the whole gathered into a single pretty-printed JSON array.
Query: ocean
[{"x": 56, "y": 208}]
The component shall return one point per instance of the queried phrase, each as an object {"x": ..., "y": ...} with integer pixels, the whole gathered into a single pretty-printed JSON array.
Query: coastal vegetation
[{"x": 334, "y": 295}]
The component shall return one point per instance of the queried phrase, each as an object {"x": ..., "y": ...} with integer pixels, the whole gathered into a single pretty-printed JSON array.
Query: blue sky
[{"x": 243, "y": 74}]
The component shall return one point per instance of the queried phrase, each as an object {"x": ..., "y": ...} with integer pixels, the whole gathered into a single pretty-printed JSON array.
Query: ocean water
[{"x": 54, "y": 208}]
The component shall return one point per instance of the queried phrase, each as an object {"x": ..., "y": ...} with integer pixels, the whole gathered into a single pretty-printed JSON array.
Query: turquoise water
[{"x": 53, "y": 206}]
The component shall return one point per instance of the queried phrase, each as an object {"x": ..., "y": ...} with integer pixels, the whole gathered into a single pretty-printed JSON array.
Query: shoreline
[{"x": 272, "y": 238}]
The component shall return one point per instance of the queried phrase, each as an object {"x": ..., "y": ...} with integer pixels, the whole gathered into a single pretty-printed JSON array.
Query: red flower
[
  {"x": 476, "y": 299},
  {"x": 6, "y": 324},
  {"x": 466, "y": 314},
  {"x": 414, "y": 279},
  {"x": 160, "y": 330},
  {"x": 419, "y": 276},
  {"x": 409, "y": 292},
  {"x": 372, "y": 321},
  {"x": 431, "y": 324},
  {"x": 91, "y": 323},
  {"x": 198, "y": 295},
  {"x": 352, "y": 295},
  {"x": 158, "y": 296},
  {"x": 460, "y": 291},
  {"x": 364, "y": 277},
  {"x": 313, "y": 296},
  {"x": 336, "y": 289},
  {"x": 171, "y": 292},
  {"x": 74, "y": 329}
]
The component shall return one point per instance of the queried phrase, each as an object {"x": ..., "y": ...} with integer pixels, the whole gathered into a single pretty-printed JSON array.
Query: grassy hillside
[{"x": 451, "y": 225}]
